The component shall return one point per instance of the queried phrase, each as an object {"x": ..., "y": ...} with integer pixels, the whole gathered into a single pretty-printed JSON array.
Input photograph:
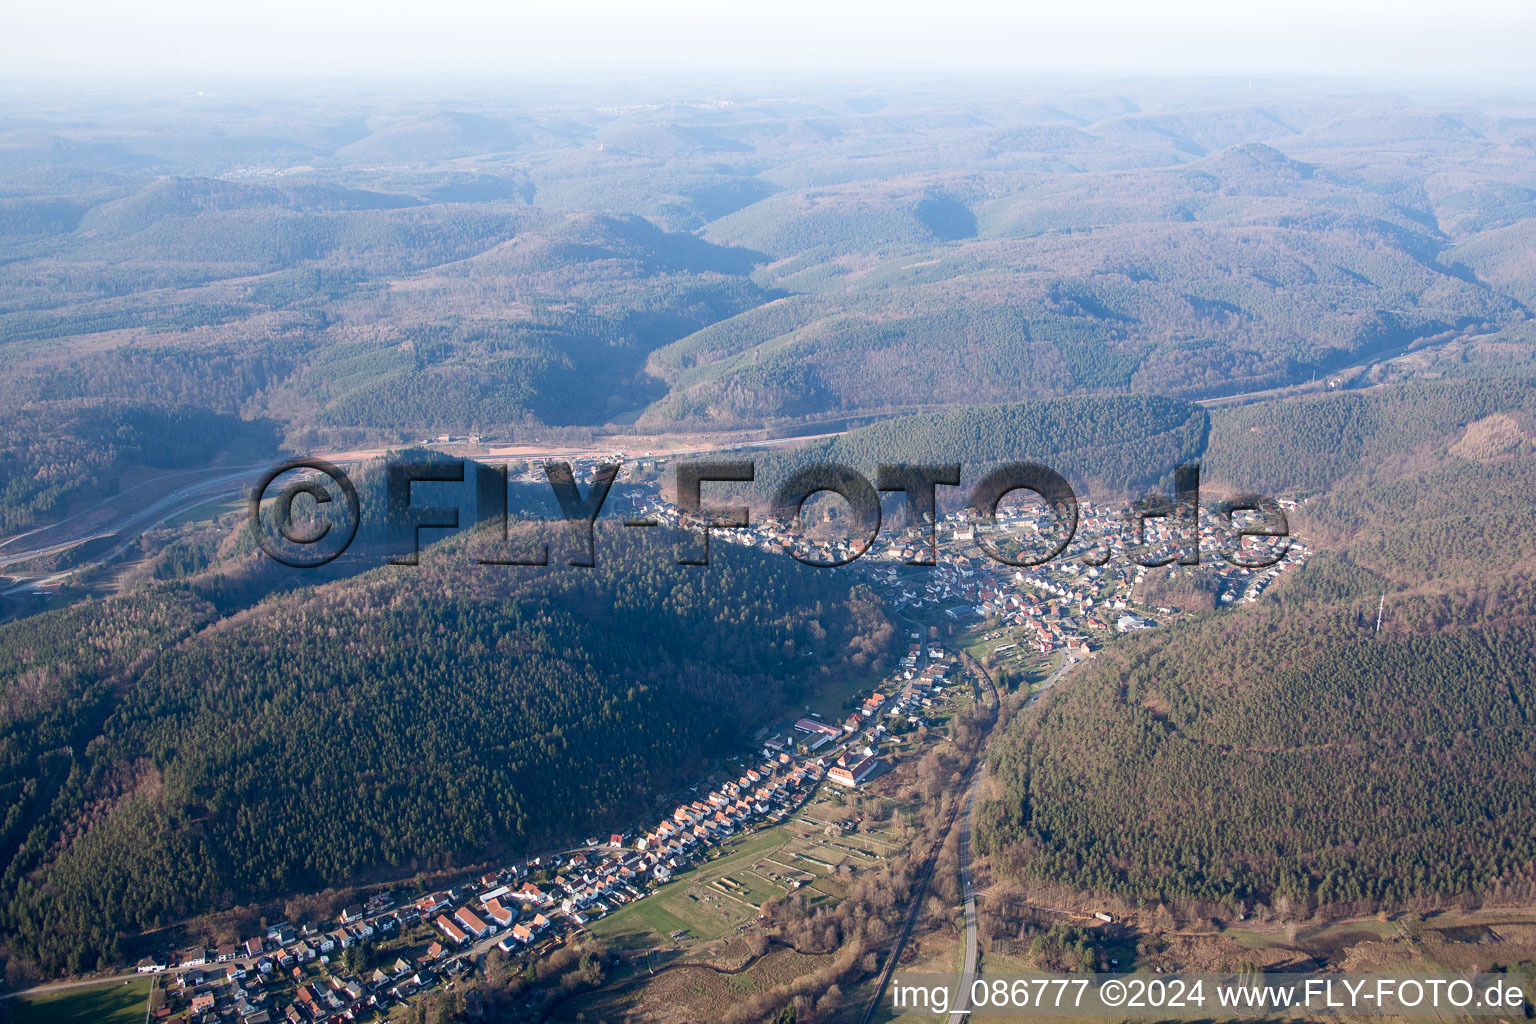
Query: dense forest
[
  {"x": 1307, "y": 445},
  {"x": 54, "y": 454},
  {"x": 162, "y": 761},
  {"x": 1058, "y": 273},
  {"x": 1111, "y": 445},
  {"x": 1292, "y": 758},
  {"x": 361, "y": 272},
  {"x": 1255, "y": 763}
]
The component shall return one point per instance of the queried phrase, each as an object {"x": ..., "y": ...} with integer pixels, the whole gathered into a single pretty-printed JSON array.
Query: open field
[
  {"x": 113, "y": 1002},
  {"x": 692, "y": 902},
  {"x": 691, "y": 993},
  {"x": 832, "y": 702},
  {"x": 1021, "y": 659},
  {"x": 1407, "y": 945},
  {"x": 933, "y": 952},
  {"x": 718, "y": 897},
  {"x": 209, "y": 511}
]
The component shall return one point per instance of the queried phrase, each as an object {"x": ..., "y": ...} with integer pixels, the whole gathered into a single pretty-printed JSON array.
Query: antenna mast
[{"x": 1379, "y": 606}]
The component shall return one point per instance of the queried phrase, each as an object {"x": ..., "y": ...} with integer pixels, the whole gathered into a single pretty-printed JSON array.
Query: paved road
[
  {"x": 968, "y": 969},
  {"x": 60, "y": 536},
  {"x": 906, "y": 929},
  {"x": 967, "y": 884}
]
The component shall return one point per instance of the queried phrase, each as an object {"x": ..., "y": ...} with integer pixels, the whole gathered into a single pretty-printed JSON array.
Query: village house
[
  {"x": 455, "y": 934},
  {"x": 471, "y": 922},
  {"x": 499, "y": 913},
  {"x": 854, "y": 774}
]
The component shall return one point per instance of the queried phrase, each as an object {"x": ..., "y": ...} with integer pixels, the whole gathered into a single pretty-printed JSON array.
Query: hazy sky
[{"x": 1479, "y": 37}]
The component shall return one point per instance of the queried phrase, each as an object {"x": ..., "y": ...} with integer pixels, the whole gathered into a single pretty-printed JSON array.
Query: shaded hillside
[
  {"x": 1289, "y": 762},
  {"x": 1309, "y": 443},
  {"x": 1289, "y": 758},
  {"x": 381, "y": 269},
  {"x": 1108, "y": 446},
  {"x": 1230, "y": 294},
  {"x": 403, "y": 719},
  {"x": 58, "y": 454}
]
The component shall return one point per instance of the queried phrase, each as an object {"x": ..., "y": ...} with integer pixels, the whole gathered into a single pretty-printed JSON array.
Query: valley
[{"x": 474, "y": 789}]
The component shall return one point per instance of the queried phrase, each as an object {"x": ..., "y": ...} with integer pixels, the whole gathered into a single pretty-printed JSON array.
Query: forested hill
[
  {"x": 58, "y": 453},
  {"x": 402, "y": 719},
  {"x": 1290, "y": 758},
  {"x": 1272, "y": 762},
  {"x": 1306, "y": 444},
  {"x": 1110, "y": 445},
  {"x": 356, "y": 270}
]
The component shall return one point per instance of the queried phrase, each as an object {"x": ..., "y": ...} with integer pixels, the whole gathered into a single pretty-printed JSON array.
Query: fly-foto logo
[{"x": 330, "y": 518}]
